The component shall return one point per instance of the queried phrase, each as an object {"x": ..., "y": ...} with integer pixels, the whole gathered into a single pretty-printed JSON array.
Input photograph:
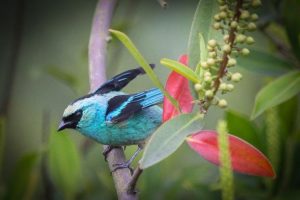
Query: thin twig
[
  {"x": 132, "y": 184},
  {"x": 97, "y": 60}
]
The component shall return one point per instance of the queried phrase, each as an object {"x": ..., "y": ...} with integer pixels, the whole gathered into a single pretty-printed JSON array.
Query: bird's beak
[{"x": 63, "y": 125}]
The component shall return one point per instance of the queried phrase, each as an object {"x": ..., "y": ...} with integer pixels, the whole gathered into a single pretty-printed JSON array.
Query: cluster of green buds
[{"x": 234, "y": 20}]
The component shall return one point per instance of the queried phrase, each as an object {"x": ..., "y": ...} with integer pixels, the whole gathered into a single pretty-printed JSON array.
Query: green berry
[
  {"x": 223, "y": 8},
  {"x": 212, "y": 54},
  {"x": 236, "y": 77},
  {"x": 209, "y": 93},
  {"x": 207, "y": 74},
  {"x": 207, "y": 79},
  {"x": 250, "y": 40},
  {"x": 223, "y": 15},
  {"x": 204, "y": 65},
  {"x": 254, "y": 17},
  {"x": 226, "y": 48},
  {"x": 256, "y": 3},
  {"x": 226, "y": 38},
  {"x": 222, "y": 103},
  {"x": 229, "y": 87},
  {"x": 217, "y": 25},
  {"x": 210, "y": 49},
  {"x": 217, "y": 17},
  {"x": 197, "y": 87},
  {"x": 251, "y": 26},
  {"x": 245, "y": 14},
  {"x": 212, "y": 43},
  {"x": 233, "y": 24},
  {"x": 245, "y": 52},
  {"x": 231, "y": 62},
  {"x": 240, "y": 38},
  {"x": 223, "y": 87},
  {"x": 211, "y": 61}
]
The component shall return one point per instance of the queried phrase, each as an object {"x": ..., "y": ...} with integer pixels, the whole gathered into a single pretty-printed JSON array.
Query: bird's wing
[
  {"x": 122, "y": 107},
  {"x": 121, "y": 80}
]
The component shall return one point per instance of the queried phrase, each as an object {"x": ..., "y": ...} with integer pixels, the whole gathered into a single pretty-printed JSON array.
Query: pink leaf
[
  {"x": 178, "y": 87},
  {"x": 245, "y": 158}
]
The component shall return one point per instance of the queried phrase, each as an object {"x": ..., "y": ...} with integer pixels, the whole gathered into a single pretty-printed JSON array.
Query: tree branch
[{"x": 97, "y": 64}]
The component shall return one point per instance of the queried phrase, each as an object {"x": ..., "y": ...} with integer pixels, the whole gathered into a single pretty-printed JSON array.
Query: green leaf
[
  {"x": 142, "y": 62},
  {"x": 202, "y": 22},
  {"x": 287, "y": 113},
  {"x": 240, "y": 125},
  {"x": 180, "y": 69},
  {"x": 19, "y": 181},
  {"x": 277, "y": 92},
  {"x": 168, "y": 137},
  {"x": 203, "y": 54},
  {"x": 264, "y": 63},
  {"x": 64, "y": 164}
]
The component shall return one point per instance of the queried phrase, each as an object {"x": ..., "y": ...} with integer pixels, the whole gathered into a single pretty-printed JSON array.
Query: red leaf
[
  {"x": 245, "y": 158},
  {"x": 178, "y": 87}
]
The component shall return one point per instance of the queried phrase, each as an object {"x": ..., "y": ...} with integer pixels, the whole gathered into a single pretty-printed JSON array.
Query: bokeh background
[{"x": 46, "y": 42}]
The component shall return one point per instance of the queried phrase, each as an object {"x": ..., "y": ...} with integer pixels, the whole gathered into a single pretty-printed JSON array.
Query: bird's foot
[
  {"x": 108, "y": 149},
  {"x": 122, "y": 166}
]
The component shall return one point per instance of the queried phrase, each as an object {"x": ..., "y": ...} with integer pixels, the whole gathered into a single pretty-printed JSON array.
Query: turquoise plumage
[{"x": 114, "y": 118}]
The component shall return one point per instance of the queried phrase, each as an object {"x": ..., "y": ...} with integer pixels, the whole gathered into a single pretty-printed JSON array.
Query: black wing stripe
[{"x": 122, "y": 107}]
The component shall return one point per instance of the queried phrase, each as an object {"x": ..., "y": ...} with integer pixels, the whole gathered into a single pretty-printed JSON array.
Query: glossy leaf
[
  {"x": 245, "y": 158},
  {"x": 180, "y": 69},
  {"x": 202, "y": 22},
  {"x": 178, "y": 88},
  {"x": 241, "y": 126},
  {"x": 64, "y": 164},
  {"x": 277, "y": 92},
  {"x": 142, "y": 62},
  {"x": 264, "y": 63},
  {"x": 19, "y": 181},
  {"x": 168, "y": 138}
]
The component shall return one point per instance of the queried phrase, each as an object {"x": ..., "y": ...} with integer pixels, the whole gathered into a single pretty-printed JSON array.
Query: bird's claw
[
  {"x": 122, "y": 166},
  {"x": 108, "y": 149}
]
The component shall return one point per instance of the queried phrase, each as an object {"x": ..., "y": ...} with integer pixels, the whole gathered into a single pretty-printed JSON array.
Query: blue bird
[{"x": 114, "y": 118}]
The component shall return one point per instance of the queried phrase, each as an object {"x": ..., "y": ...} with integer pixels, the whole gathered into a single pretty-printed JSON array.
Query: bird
[{"x": 114, "y": 118}]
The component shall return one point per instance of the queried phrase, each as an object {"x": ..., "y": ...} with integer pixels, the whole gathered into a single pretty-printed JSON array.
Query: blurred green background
[{"x": 48, "y": 41}]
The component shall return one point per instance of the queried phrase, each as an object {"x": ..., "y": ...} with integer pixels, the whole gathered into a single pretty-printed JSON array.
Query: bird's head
[{"x": 80, "y": 115}]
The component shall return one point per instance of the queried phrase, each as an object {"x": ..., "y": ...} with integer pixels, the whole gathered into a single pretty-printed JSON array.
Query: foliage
[
  {"x": 162, "y": 143},
  {"x": 280, "y": 90},
  {"x": 273, "y": 129},
  {"x": 64, "y": 164}
]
